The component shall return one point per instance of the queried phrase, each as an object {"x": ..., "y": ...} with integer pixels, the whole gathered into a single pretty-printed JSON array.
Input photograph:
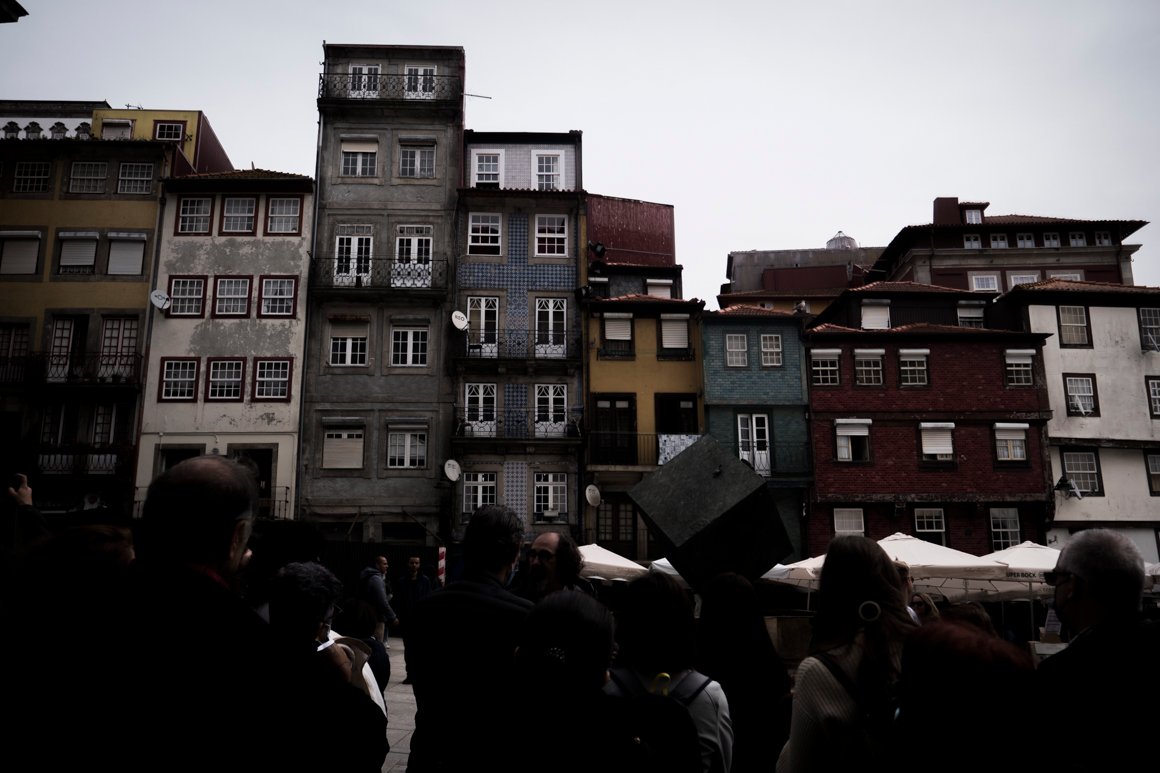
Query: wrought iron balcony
[
  {"x": 635, "y": 448},
  {"x": 82, "y": 459},
  {"x": 772, "y": 459},
  {"x": 518, "y": 344},
  {"x": 41, "y": 367},
  {"x": 412, "y": 87},
  {"x": 379, "y": 274},
  {"x": 483, "y": 422},
  {"x": 276, "y": 505}
]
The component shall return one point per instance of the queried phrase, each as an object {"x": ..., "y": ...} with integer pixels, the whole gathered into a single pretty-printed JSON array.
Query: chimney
[{"x": 946, "y": 211}]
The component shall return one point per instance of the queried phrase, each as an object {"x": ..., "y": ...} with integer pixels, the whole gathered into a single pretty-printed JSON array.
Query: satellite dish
[
  {"x": 592, "y": 494},
  {"x": 459, "y": 319},
  {"x": 160, "y": 300},
  {"x": 451, "y": 470}
]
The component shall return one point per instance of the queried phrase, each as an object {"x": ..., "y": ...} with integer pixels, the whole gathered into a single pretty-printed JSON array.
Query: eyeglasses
[
  {"x": 1055, "y": 577},
  {"x": 542, "y": 555}
]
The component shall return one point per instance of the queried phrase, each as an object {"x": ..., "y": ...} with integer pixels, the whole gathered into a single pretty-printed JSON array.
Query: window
[
  {"x": 272, "y": 379},
  {"x": 238, "y": 215},
  {"x": 31, "y": 177},
  {"x": 409, "y": 347},
  {"x": 868, "y": 367},
  {"x": 14, "y": 343},
  {"x": 852, "y": 440},
  {"x": 970, "y": 315},
  {"x": 186, "y": 295},
  {"x": 126, "y": 253},
  {"x": 674, "y": 336},
  {"x": 479, "y": 410},
  {"x": 875, "y": 315},
  {"x": 1152, "y": 383},
  {"x": 179, "y": 379},
  {"x": 937, "y": 441},
  {"x": 617, "y": 335},
  {"x": 659, "y": 288},
  {"x": 231, "y": 297},
  {"x": 135, "y": 178},
  {"x": 824, "y": 367},
  {"x": 1014, "y": 280},
  {"x": 1011, "y": 442},
  {"x": 487, "y": 168},
  {"x": 1025, "y": 240},
  {"x": 930, "y": 525},
  {"x": 88, "y": 177},
  {"x": 224, "y": 381},
  {"x": 1149, "y": 329},
  {"x": 973, "y": 216},
  {"x": 1082, "y": 399},
  {"x": 342, "y": 449},
  {"x": 116, "y": 129},
  {"x": 282, "y": 215},
  {"x": 912, "y": 367},
  {"x": 1152, "y": 468},
  {"x": 972, "y": 242},
  {"x": 406, "y": 450},
  {"x": 348, "y": 344},
  {"x": 998, "y": 241},
  {"x": 1103, "y": 239},
  {"x": 551, "y": 410},
  {"x": 1076, "y": 239},
  {"x": 353, "y": 252},
  {"x": 551, "y": 495},
  {"x": 1004, "y": 528},
  {"x": 364, "y": 81},
  {"x": 1050, "y": 239},
  {"x": 169, "y": 130},
  {"x": 278, "y": 296},
  {"x": 848, "y": 520},
  {"x": 118, "y": 347},
  {"x": 736, "y": 355},
  {"x": 753, "y": 441},
  {"x": 1018, "y": 367},
  {"x": 1074, "y": 276},
  {"x": 19, "y": 252},
  {"x": 419, "y": 81},
  {"x": 412, "y": 267},
  {"x": 548, "y": 171},
  {"x": 985, "y": 283},
  {"x": 361, "y": 162},
  {"x": 551, "y": 235},
  {"x": 1082, "y": 467},
  {"x": 78, "y": 253},
  {"x": 483, "y": 236},
  {"x": 417, "y": 162},
  {"x": 478, "y": 490},
  {"x": 1073, "y": 326},
  {"x": 483, "y": 326},
  {"x": 194, "y": 215},
  {"x": 550, "y": 328},
  {"x": 770, "y": 350}
]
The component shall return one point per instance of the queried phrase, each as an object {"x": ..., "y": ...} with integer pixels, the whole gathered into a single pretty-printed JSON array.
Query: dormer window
[
  {"x": 998, "y": 241},
  {"x": 58, "y": 131},
  {"x": 84, "y": 130},
  {"x": 32, "y": 131},
  {"x": 875, "y": 315},
  {"x": 11, "y": 130},
  {"x": 972, "y": 242},
  {"x": 1103, "y": 239},
  {"x": 973, "y": 216}
]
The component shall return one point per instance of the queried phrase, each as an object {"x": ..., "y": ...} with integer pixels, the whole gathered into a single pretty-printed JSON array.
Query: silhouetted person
[
  {"x": 554, "y": 563},
  {"x": 409, "y": 588}
]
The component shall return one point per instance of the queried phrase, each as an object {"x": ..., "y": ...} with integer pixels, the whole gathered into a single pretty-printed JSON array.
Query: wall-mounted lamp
[{"x": 597, "y": 249}]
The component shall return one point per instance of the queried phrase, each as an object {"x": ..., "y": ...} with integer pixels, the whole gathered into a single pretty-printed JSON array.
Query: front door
[
  {"x": 753, "y": 441},
  {"x": 550, "y": 328},
  {"x": 614, "y": 438}
]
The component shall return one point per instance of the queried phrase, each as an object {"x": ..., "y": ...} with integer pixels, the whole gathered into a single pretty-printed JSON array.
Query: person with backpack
[
  {"x": 679, "y": 717},
  {"x": 844, "y": 701}
]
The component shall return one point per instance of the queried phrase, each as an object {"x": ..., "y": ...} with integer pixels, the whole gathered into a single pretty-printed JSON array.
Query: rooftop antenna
[{"x": 135, "y": 107}]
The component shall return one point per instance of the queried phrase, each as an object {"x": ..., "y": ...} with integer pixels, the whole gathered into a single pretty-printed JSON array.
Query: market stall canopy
[{"x": 602, "y": 564}]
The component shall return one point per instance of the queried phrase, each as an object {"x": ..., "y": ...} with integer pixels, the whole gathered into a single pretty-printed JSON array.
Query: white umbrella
[
  {"x": 1026, "y": 563},
  {"x": 602, "y": 564}
]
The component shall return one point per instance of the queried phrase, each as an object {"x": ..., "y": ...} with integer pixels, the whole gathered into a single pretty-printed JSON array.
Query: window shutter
[
  {"x": 19, "y": 256},
  {"x": 1011, "y": 431},
  {"x": 1019, "y": 356},
  {"x": 674, "y": 334},
  {"x": 618, "y": 329},
  {"x": 937, "y": 440},
  {"x": 875, "y": 317},
  {"x": 348, "y": 329},
  {"x": 359, "y": 147},
  {"x": 852, "y": 430},
  {"x": 343, "y": 453},
  {"x": 125, "y": 257},
  {"x": 660, "y": 289},
  {"x": 78, "y": 252}
]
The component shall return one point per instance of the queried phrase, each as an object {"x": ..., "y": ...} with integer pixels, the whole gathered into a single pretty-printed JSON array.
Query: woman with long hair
[{"x": 850, "y": 678}]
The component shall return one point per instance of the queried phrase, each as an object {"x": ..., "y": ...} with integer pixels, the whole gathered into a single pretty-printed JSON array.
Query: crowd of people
[{"x": 190, "y": 641}]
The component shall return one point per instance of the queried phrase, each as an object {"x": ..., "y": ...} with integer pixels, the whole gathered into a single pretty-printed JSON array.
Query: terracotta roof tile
[
  {"x": 745, "y": 310},
  {"x": 246, "y": 174},
  {"x": 895, "y": 287},
  {"x": 1071, "y": 285}
]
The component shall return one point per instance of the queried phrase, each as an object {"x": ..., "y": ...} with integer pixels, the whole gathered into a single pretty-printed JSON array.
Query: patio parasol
[{"x": 602, "y": 564}]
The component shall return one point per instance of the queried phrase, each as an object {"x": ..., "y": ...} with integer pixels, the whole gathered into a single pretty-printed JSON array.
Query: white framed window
[
  {"x": 985, "y": 283},
  {"x": 342, "y": 448},
  {"x": 875, "y": 315},
  {"x": 169, "y": 130},
  {"x": 930, "y": 525},
  {"x": 1073, "y": 326},
  {"x": 848, "y": 520},
  {"x": 278, "y": 296},
  {"x": 364, "y": 81},
  {"x": 1103, "y": 239},
  {"x": 118, "y": 346},
  {"x": 116, "y": 129},
  {"x": 1018, "y": 367},
  {"x": 1081, "y": 394},
  {"x": 1152, "y": 385},
  {"x": 1025, "y": 240},
  {"x": 1014, "y": 280},
  {"x": 479, "y": 404},
  {"x": 360, "y": 158},
  {"x": 659, "y": 288},
  {"x": 194, "y": 215},
  {"x": 418, "y": 162},
  {"x": 31, "y": 177},
  {"x": 135, "y": 178},
  {"x": 618, "y": 329},
  {"x": 231, "y": 297},
  {"x": 78, "y": 252},
  {"x": 868, "y": 367},
  {"x": 348, "y": 344},
  {"x": 1083, "y": 469},
  {"x": 1050, "y": 239},
  {"x": 970, "y": 315},
  {"x": 753, "y": 441},
  {"x": 1074, "y": 276},
  {"x": 551, "y": 236},
  {"x": 736, "y": 350},
  {"x": 770, "y": 350},
  {"x": 550, "y": 498},
  {"x": 1149, "y": 328},
  {"x": 1011, "y": 442},
  {"x": 353, "y": 252},
  {"x": 551, "y": 328},
  {"x": 179, "y": 379},
  {"x": 912, "y": 369},
  {"x": 272, "y": 379},
  {"x": 852, "y": 440},
  {"x": 483, "y": 326},
  {"x": 406, "y": 449},
  {"x": 937, "y": 441},
  {"x": 674, "y": 335},
  {"x": 484, "y": 233},
  {"x": 282, "y": 215},
  {"x": 187, "y": 295},
  {"x": 549, "y": 168},
  {"x": 225, "y": 379},
  {"x": 238, "y": 214},
  {"x": 409, "y": 347},
  {"x": 88, "y": 177},
  {"x": 1004, "y": 528},
  {"x": 998, "y": 241},
  {"x": 973, "y": 216},
  {"x": 1077, "y": 239},
  {"x": 1152, "y": 470},
  {"x": 412, "y": 267},
  {"x": 479, "y": 489},
  {"x": 419, "y": 81},
  {"x": 824, "y": 367},
  {"x": 551, "y": 410},
  {"x": 487, "y": 168},
  {"x": 972, "y": 242}
]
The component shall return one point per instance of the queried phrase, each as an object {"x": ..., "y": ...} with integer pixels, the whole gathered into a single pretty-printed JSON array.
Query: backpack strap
[{"x": 839, "y": 673}]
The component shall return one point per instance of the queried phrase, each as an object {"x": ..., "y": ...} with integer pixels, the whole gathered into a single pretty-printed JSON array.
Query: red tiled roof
[
  {"x": 745, "y": 310},
  {"x": 799, "y": 293},
  {"x": 1071, "y": 285},
  {"x": 895, "y": 287},
  {"x": 639, "y": 298},
  {"x": 915, "y": 327},
  {"x": 246, "y": 174}
]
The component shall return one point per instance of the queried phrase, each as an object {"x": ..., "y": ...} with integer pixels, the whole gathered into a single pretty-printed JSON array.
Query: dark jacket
[{"x": 373, "y": 590}]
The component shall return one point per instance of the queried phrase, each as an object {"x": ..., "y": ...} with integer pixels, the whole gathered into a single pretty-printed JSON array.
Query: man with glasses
[
  {"x": 1091, "y": 692},
  {"x": 554, "y": 563}
]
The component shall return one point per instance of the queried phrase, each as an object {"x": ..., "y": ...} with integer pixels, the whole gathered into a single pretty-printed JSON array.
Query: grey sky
[{"x": 768, "y": 125}]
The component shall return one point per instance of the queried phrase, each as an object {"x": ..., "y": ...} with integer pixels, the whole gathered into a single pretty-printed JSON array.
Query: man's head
[
  {"x": 382, "y": 564},
  {"x": 413, "y": 565},
  {"x": 555, "y": 559},
  {"x": 1098, "y": 578},
  {"x": 302, "y": 601},
  {"x": 491, "y": 543},
  {"x": 200, "y": 512}
]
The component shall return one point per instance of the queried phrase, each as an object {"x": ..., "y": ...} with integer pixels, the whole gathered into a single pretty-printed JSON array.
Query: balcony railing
[
  {"x": 276, "y": 506},
  {"x": 635, "y": 448},
  {"x": 379, "y": 273},
  {"x": 517, "y": 424},
  {"x": 770, "y": 459},
  {"x": 406, "y": 87},
  {"x": 81, "y": 460},
  {"x": 41, "y": 367},
  {"x": 518, "y": 344}
]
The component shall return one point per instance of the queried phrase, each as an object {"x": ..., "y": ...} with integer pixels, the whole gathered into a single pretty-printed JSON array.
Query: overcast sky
[{"x": 767, "y": 124}]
